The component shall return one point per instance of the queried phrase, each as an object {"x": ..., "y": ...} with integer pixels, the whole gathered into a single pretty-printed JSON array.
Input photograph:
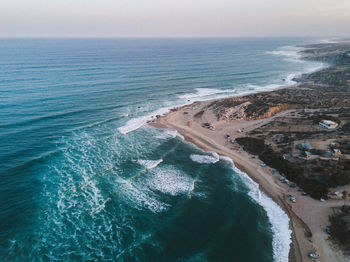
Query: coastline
[
  {"x": 244, "y": 164},
  {"x": 306, "y": 234},
  {"x": 200, "y": 96}
]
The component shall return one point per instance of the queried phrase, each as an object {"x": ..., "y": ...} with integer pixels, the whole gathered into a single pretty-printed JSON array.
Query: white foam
[
  {"x": 141, "y": 197},
  {"x": 329, "y": 41},
  {"x": 136, "y": 123},
  {"x": 169, "y": 133},
  {"x": 150, "y": 164},
  {"x": 289, "y": 79},
  {"x": 203, "y": 94},
  {"x": 141, "y": 192},
  {"x": 316, "y": 67},
  {"x": 263, "y": 88},
  {"x": 290, "y": 53},
  {"x": 287, "y": 82},
  {"x": 226, "y": 159},
  {"x": 205, "y": 159},
  {"x": 171, "y": 181},
  {"x": 277, "y": 217}
]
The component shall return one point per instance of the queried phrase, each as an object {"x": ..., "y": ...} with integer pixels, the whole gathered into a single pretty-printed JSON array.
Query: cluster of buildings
[
  {"x": 326, "y": 150},
  {"x": 307, "y": 151}
]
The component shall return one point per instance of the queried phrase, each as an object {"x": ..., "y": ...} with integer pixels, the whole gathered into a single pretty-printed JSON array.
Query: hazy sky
[{"x": 163, "y": 18}]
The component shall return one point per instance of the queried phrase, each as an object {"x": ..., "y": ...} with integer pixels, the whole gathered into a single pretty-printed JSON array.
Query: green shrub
[
  {"x": 291, "y": 171},
  {"x": 340, "y": 230}
]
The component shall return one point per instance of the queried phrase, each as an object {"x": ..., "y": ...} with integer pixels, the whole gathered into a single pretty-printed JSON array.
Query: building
[
  {"x": 318, "y": 151},
  {"x": 328, "y": 124},
  {"x": 306, "y": 154},
  {"x": 328, "y": 154},
  {"x": 337, "y": 152},
  {"x": 304, "y": 146}
]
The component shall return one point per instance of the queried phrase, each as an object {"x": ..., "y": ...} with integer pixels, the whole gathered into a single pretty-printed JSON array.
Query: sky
[{"x": 174, "y": 18}]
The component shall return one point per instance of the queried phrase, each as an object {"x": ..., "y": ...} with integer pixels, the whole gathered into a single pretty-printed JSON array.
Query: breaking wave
[
  {"x": 137, "y": 122},
  {"x": 205, "y": 159},
  {"x": 140, "y": 197},
  {"x": 205, "y": 93},
  {"x": 150, "y": 164},
  {"x": 169, "y": 180},
  {"x": 169, "y": 133},
  {"x": 290, "y": 53},
  {"x": 278, "y": 218}
]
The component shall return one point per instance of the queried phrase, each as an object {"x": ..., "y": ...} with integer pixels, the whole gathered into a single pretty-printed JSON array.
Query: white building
[{"x": 328, "y": 124}]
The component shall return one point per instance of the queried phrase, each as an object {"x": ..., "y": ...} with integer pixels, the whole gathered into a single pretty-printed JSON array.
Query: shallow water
[{"x": 79, "y": 180}]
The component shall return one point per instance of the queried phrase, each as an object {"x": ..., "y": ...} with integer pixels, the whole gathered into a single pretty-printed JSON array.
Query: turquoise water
[{"x": 80, "y": 181}]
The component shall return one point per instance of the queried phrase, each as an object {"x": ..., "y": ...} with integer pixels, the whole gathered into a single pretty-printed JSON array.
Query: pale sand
[{"x": 306, "y": 215}]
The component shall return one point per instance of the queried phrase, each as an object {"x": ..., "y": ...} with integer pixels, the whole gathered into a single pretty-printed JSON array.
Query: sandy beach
[{"x": 307, "y": 216}]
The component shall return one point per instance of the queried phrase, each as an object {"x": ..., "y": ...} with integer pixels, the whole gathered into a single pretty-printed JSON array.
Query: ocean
[{"x": 82, "y": 178}]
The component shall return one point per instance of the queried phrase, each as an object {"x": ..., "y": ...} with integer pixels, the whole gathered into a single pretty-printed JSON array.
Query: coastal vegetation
[
  {"x": 340, "y": 228},
  {"x": 291, "y": 171}
]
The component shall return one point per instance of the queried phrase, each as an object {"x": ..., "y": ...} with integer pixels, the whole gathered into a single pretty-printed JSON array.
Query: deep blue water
[{"x": 81, "y": 181}]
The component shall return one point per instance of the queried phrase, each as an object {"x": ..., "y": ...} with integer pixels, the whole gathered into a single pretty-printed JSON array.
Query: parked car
[{"x": 313, "y": 255}]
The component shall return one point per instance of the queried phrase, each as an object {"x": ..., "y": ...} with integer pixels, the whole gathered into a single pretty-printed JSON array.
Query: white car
[{"x": 313, "y": 255}]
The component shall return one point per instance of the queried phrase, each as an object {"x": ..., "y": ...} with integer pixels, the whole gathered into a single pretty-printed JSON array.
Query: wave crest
[
  {"x": 169, "y": 133},
  {"x": 205, "y": 159},
  {"x": 149, "y": 164}
]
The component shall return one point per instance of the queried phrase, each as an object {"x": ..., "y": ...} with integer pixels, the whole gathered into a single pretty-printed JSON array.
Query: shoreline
[
  {"x": 263, "y": 185},
  {"x": 305, "y": 237}
]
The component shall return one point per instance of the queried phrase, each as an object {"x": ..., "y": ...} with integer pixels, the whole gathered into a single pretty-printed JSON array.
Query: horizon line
[{"x": 167, "y": 37}]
